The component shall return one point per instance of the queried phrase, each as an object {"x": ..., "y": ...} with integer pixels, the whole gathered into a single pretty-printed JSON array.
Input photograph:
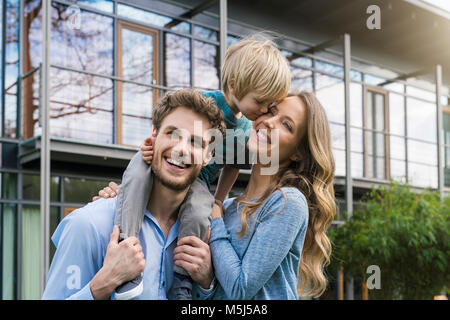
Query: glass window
[
  {"x": 32, "y": 34},
  {"x": 397, "y": 148},
  {"x": 339, "y": 158},
  {"x": 422, "y": 175},
  {"x": 396, "y": 114},
  {"x": 356, "y": 105},
  {"x": 11, "y": 56},
  {"x": 177, "y": 61},
  {"x": 421, "y": 120},
  {"x": 395, "y": 86},
  {"x": 31, "y": 187},
  {"x": 232, "y": 39},
  {"x": 148, "y": 17},
  {"x": 9, "y": 185},
  {"x": 81, "y": 106},
  {"x": 138, "y": 62},
  {"x": 103, "y": 5},
  {"x": 337, "y": 135},
  {"x": 421, "y": 93},
  {"x": 88, "y": 48},
  {"x": 205, "y": 33},
  {"x": 80, "y": 190},
  {"x": 446, "y": 126},
  {"x": 398, "y": 170},
  {"x": 330, "y": 92},
  {"x": 447, "y": 166},
  {"x": 9, "y": 249},
  {"x": 206, "y": 65},
  {"x": 357, "y": 165},
  {"x": 301, "y": 79},
  {"x": 8, "y": 157},
  {"x": 329, "y": 68},
  {"x": 425, "y": 153},
  {"x": 31, "y": 239},
  {"x": 356, "y": 139},
  {"x": 54, "y": 221},
  {"x": 355, "y": 75},
  {"x": 373, "y": 80}
]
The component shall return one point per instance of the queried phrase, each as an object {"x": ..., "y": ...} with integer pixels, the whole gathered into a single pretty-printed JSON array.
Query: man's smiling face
[{"x": 180, "y": 149}]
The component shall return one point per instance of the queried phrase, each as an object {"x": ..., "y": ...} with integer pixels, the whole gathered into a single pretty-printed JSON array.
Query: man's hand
[
  {"x": 123, "y": 262},
  {"x": 194, "y": 256}
]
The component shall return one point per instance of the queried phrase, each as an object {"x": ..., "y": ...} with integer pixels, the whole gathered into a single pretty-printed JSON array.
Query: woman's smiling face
[{"x": 279, "y": 130}]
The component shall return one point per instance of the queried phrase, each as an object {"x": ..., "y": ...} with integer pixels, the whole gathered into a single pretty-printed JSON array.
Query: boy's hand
[
  {"x": 108, "y": 192},
  {"x": 147, "y": 148}
]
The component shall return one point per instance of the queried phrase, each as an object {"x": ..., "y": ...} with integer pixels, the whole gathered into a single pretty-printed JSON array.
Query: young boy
[{"x": 254, "y": 75}]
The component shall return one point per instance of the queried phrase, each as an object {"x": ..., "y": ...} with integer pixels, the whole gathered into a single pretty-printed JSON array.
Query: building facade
[{"x": 108, "y": 62}]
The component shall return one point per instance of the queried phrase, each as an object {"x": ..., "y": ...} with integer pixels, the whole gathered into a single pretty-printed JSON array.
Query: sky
[{"x": 443, "y": 4}]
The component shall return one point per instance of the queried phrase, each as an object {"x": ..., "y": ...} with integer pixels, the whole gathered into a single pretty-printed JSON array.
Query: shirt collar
[{"x": 173, "y": 233}]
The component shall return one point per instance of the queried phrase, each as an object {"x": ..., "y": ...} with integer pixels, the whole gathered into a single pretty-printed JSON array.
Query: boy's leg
[
  {"x": 195, "y": 214},
  {"x": 133, "y": 197},
  {"x": 195, "y": 219},
  {"x": 132, "y": 200}
]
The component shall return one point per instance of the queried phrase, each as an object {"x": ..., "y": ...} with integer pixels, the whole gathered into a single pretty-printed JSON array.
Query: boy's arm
[{"x": 226, "y": 181}]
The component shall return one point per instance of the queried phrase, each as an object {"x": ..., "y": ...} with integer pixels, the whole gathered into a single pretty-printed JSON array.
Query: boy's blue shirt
[{"x": 238, "y": 156}]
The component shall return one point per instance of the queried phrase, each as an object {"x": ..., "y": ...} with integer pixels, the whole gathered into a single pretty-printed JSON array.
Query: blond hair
[
  {"x": 256, "y": 64},
  {"x": 313, "y": 176}
]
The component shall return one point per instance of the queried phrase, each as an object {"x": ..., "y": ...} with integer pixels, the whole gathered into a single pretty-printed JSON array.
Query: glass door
[{"x": 138, "y": 62}]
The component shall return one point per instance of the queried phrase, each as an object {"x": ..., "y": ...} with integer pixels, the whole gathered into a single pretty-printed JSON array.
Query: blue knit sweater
[{"x": 264, "y": 263}]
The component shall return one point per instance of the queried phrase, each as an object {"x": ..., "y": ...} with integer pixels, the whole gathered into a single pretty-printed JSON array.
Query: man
[{"x": 90, "y": 262}]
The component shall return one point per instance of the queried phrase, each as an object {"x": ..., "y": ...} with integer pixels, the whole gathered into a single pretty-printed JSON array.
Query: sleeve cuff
[
  {"x": 203, "y": 294},
  {"x": 218, "y": 230},
  {"x": 84, "y": 294}
]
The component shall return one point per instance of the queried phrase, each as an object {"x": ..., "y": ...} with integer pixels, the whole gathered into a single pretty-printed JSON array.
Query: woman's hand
[
  {"x": 217, "y": 210},
  {"x": 194, "y": 256},
  {"x": 108, "y": 192}
]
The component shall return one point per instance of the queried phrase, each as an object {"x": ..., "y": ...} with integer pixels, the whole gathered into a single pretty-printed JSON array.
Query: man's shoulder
[{"x": 97, "y": 215}]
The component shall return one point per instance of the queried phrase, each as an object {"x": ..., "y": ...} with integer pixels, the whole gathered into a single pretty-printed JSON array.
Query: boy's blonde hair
[{"x": 256, "y": 64}]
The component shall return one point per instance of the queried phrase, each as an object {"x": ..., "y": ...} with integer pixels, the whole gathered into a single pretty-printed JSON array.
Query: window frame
[
  {"x": 386, "y": 131},
  {"x": 121, "y": 24}
]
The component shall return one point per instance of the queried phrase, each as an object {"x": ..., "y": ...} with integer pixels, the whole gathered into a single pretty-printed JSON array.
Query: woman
[{"x": 273, "y": 236}]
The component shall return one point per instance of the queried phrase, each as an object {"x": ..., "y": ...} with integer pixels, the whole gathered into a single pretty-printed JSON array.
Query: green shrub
[{"x": 406, "y": 234}]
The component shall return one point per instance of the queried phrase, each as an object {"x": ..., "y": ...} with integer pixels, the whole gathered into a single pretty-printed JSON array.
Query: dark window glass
[
  {"x": 82, "y": 190},
  {"x": 8, "y": 157},
  {"x": 9, "y": 185},
  {"x": 31, "y": 187}
]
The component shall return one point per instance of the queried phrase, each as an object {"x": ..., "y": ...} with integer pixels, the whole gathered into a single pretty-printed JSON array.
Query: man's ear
[{"x": 208, "y": 157}]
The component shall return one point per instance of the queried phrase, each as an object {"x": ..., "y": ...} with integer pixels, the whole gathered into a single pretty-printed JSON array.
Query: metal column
[
  {"x": 223, "y": 30},
  {"x": 439, "y": 130},
  {"x": 45, "y": 143},
  {"x": 348, "y": 167}
]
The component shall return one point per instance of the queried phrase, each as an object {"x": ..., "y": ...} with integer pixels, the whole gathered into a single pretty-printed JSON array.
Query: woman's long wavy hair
[{"x": 313, "y": 175}]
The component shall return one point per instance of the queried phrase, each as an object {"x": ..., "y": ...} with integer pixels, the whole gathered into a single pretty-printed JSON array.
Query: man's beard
[{"x": 178, "y": 186}]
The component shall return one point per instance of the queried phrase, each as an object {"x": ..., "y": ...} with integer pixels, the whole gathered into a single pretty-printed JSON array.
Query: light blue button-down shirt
[{"x": 81, "y": 240}]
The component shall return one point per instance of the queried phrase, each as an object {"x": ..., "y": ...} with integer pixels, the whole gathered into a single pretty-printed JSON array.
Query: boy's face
[
  {"x": 181, "y": 148},
  {"x": 250, "y": 105}
]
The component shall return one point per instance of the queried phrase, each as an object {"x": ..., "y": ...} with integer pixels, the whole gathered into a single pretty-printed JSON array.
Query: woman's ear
[{"x": 296, "y": 157}]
